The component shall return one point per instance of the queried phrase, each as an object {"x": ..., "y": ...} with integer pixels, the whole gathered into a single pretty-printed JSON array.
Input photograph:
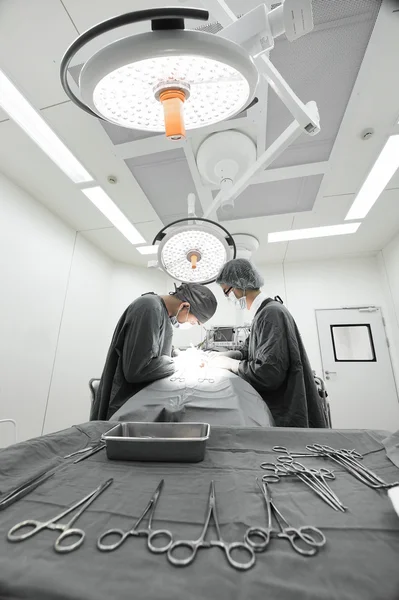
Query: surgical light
[
  {"x": 313, "y": 232},
  {"x": 193, "y": 250},
  {"x": 19, "y": 110},
  {"x": 168, "y": 79},
  {"x": 376, "y": 181},
  {"x": 104, "y": 203}
]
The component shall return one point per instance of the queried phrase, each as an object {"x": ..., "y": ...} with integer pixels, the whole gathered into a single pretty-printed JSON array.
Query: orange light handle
[
  {"x": 172, "y": 102},
  {"x": 194, "y": 261}
]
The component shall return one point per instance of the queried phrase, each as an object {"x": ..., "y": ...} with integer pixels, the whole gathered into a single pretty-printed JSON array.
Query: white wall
[
  {"x": 53, "y": 306},
  {"x": 330, "y": 284},
  {"x": 83, "y": 338},
  {"x": 35, "y": 258},
  {"x": 127, "y": 284},
  {"x": 389, "y": 266}
]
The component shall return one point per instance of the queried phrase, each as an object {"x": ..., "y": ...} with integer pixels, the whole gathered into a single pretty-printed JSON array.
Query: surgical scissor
[
  {"x": 66, "y": 528},
  {"x": 194, "y": 545},
  {"x": 151, "y": 533},
  {"x": 308, "y": 535}
]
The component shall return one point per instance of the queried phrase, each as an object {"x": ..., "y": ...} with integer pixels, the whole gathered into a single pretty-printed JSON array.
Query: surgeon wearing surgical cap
[
  {"x": 274, "y": 359},
  {"x": 141, "y": 347}
]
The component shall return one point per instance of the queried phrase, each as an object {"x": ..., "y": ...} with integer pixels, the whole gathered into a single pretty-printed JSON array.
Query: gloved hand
[{"x": 224, "y": 362}]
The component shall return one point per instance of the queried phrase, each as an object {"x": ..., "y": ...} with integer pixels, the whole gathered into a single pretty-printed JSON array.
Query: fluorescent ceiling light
[
  {"x": 20, "y": 111},
  {"x": 147, "y": 249},
  {"x": 377, "y": 180},
  {"x": 114, "y": 214},
  {"x": 313, "y": 232}
]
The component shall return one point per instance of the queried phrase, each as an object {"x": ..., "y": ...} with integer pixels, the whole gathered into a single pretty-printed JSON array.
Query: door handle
[{"x": 328, "y": 373}]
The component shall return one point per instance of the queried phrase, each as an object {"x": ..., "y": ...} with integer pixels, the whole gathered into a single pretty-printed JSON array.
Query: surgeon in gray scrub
[
  {"x": 141, "y": 347},
  {"x": 274, "y": 359}
]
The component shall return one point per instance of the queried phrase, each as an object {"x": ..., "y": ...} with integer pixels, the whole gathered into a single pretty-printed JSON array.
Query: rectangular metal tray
[{"x": 157, "y": 442}]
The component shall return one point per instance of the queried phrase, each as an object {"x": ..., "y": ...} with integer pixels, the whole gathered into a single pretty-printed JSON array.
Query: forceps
[
  {"x": 134, "y": 531},
  {"x": 66, "y": 529},
  {"x": 313, "y": 478},
  {"x": 284, "y": 451},
  {"x": 205, "y": 378},
  {"x": 194, "y": 545},
  {"x": 350, "y": 463},
  {"x": 179, "y": 378},
  {"x": 31, "y": 484},
  {"x": 307, "y": 534}
]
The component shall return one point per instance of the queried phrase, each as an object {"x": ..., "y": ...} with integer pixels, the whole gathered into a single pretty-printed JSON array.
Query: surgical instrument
[
  {"x": 66, "y": 529},
  {"x": 205, "y": 377},
  {"x": 31, "y": 484},
  {"x": 285, "y": 452},
  {"x": 180, "y": 379},
  {"x": 28, "y": 486},
  {"x": 307, "y": 534},
  {"x": 88, "y": 451},
  {"x": 194, "y": 545},
  {"x": 151, "y": 533},
  {"x": 350, "y": 463},
  {"x": 313, "y": 478}
]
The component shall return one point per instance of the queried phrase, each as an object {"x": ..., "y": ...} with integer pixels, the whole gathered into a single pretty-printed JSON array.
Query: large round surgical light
[
  {"x": 168, "y": 79},
  {"x": 194, "y": 250}
]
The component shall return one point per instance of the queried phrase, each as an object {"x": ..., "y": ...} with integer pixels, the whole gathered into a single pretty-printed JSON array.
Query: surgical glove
[{"x": 224, "y": 362}]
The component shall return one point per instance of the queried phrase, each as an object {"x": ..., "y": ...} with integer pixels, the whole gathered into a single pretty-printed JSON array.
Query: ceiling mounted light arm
[
  {"x": 288, "y": 136},
  {"x": 256, "y": 30},
  {"x": 161, "y": 19}
]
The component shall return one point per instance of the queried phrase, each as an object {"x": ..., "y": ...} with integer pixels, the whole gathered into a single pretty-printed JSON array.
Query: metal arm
[{"x": 256, "y": 31}]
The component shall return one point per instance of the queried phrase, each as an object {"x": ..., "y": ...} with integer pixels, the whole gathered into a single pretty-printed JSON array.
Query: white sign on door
[{"x": 357, "y": 369}]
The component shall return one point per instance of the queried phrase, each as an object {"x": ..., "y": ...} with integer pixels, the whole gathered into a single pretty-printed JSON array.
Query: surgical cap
[
  {"x": 241, "y": 274},
  {"x": 202, "y": 301}
]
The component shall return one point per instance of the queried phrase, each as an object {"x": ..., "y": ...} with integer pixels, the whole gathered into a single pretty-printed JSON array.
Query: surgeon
[
  {"x": 274, "y": 360},
  {"x": 141, "y": 346}
]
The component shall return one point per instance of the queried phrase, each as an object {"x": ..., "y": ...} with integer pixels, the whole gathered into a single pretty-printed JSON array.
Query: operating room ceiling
[{"x": 312, "y": 183}]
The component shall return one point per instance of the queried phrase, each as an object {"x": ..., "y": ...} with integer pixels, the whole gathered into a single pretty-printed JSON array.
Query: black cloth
[
  {"x": 140, "y": 352},
  {"x": 276, "y": 365},
  {"x": 228, "y": 401},
  {"x": 359, "y": 561}
]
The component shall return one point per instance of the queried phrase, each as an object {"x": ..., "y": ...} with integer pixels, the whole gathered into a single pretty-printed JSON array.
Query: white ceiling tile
[
  {"x": 320, "y": 66},
  {"x": 33, "y": 38},
  {"x": 166, "y": 180},
  {"x": 274, "y": 198}
]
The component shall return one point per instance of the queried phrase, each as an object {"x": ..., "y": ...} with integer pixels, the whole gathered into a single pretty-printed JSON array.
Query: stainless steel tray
[{"x": 157, "y": 442}]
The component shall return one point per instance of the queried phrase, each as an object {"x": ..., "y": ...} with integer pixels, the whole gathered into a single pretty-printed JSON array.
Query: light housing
[
  {"x": 211, "y": 78},
  {"x": 313, "y": 232},
  {"x": 22, "y": 112},
  {"x": 104, "y": 203},
  {"x": 147, "y": 249},
  {"x": 377, "y": 180},
  {"x": 193, "y": 250}
]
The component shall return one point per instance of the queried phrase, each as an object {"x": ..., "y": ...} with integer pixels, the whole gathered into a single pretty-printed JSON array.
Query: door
[{"x": 357, "y": 369}]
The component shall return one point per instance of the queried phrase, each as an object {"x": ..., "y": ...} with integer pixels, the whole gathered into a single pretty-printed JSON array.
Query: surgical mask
[
  {"x": 175, "y": 322},
  {"x": 240, "y": 303}
]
